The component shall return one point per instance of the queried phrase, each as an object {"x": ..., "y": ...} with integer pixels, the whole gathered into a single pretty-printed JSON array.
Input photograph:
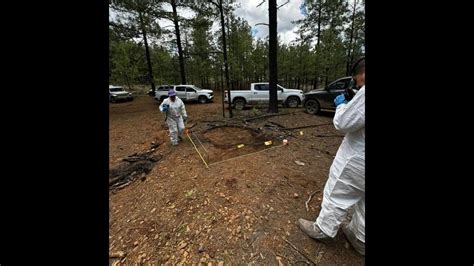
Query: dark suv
[{"x": 316, "y": 100}]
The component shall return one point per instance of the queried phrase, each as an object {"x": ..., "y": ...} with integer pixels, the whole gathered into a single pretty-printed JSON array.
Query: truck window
[
  {"x": 261, "y": 87},
  {"x": 180, "y": 88},
  {"x": 164, "y": 88}
]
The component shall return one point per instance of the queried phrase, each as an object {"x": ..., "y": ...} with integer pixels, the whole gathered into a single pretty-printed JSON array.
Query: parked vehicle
[
  {"x": 118, "y": 93},
  {"x": 316, "y": 100},
  {"x": 185, "y": 93},
  {"x": 259, "y": 93},
  {"x": 160, "y": 88}
]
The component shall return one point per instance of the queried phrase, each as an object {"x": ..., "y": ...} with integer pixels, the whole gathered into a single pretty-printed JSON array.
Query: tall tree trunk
[
  {"x": 127, "y": 80},
  {"x": 318, "y": 33},
  {"x": 349, "y": 51},
  {"x": 352, "y": 54},
  {"x": 147, "y": 53},
  {"x": 320, "y": 8},
  {"x": 178, "y": 42},
  {"x": 226, "y": 67},
  {"x": 327, "y": 74},
  {"x": 272, "y": 54}
]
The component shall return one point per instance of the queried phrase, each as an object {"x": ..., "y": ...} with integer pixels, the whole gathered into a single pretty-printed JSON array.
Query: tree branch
[
  {"x": 283, "y": 4},
  {"x": 261, "y": 3},
  {"x": 302, "y": 253},
  {"x": 212, "y": 2}
]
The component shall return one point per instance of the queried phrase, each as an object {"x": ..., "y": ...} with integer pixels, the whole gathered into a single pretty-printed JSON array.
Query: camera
[{"x": 349, "y": 93}]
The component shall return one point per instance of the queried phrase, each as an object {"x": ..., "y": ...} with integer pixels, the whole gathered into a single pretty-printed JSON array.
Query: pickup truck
[
  {"x": 185, "y": 93},
  {"x": 259, "y": 93}
]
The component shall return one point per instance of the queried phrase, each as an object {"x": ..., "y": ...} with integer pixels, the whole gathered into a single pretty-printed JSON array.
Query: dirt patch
[
  {"x": 228, "y": 136},
  {"x": 224, "y": 142}
]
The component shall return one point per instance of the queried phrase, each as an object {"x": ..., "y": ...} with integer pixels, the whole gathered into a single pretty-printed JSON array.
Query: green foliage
[{"x": 322, "y": 52}]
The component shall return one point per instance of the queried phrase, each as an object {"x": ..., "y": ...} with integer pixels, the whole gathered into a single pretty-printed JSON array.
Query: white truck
[
  {"x": 118, "y": 93},
  {"x": 259, "y": 93},
  {"x": 185, "y": 93}
]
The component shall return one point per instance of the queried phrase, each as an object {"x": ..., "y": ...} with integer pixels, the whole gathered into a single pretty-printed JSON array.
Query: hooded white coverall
[
  {"x": 174, "y": 119},
  {"x": 345, "y": 186}
]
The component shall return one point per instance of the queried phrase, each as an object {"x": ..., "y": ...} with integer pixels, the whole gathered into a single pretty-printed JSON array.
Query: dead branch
[
  {"x": 309, "y": 199},
  {"x": 121, "y": 186},
  {"x": 329, "y": 136},
  {"x": 119, "y": 254},
  {"x": 276, "y": 124},
  {"x": 303, "y": 261},
  {"x": 291, "y": 128},
  {"x": 306, "y": 256},
  {"x": 278, "y": 7},
  {"x": 264, "y": 116},
  {"x": 281, "y": 256}
]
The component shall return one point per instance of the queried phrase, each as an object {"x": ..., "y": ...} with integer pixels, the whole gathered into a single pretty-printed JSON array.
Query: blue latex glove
[
  {"x": 165, "y": 107},
  {"x": 340, "y": 99}
]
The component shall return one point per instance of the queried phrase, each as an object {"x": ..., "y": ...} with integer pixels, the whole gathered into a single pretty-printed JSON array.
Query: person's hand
[
  {"x": 165, "y": 107},
  {"x": 340, "y": 99}
]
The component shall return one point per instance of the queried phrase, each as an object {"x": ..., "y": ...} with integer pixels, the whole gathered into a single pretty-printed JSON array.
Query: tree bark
[
  {"x": 272, "y": 56},
  {"x": 147, "y": 53},
  {"x": 178, "y": 42}
]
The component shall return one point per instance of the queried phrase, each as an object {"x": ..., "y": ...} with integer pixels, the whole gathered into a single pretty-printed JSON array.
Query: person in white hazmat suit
[
  {"x": 345, "y": 187},
  {"x": 176, "y": 115}
]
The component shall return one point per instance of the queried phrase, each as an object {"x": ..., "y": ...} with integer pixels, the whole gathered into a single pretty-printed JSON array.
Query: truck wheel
[
  {"x": 239, "y": 103},
  {"x": 312, "y": 107},
  {"x": 292, "y": 102},
  {"x": 202, "y": 99}
]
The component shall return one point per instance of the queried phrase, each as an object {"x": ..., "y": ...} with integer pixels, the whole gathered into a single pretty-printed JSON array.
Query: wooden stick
[
  {"x": 117, "y": 187},
  {"x": 264, "y": 116},
  {"x": 309, "y": 199},
  {"x": 276, "y": 124},
  {"x": 305, "y": 262},
  {"x": 291, "y": 128},
  {"x": 281, "y": 256},
  {"x": 306, "y": 256},
  {"x": 329, "y": 136},
  {"x": 119, "y": 254}
]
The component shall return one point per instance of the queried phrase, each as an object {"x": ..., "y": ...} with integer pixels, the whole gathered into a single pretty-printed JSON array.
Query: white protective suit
[
  {"x": 345, "y": 186},
  {"x": 174, "y": 119}
]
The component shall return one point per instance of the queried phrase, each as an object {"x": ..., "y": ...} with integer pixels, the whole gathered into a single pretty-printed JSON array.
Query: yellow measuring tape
[{"x": 187, "y": 134}]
